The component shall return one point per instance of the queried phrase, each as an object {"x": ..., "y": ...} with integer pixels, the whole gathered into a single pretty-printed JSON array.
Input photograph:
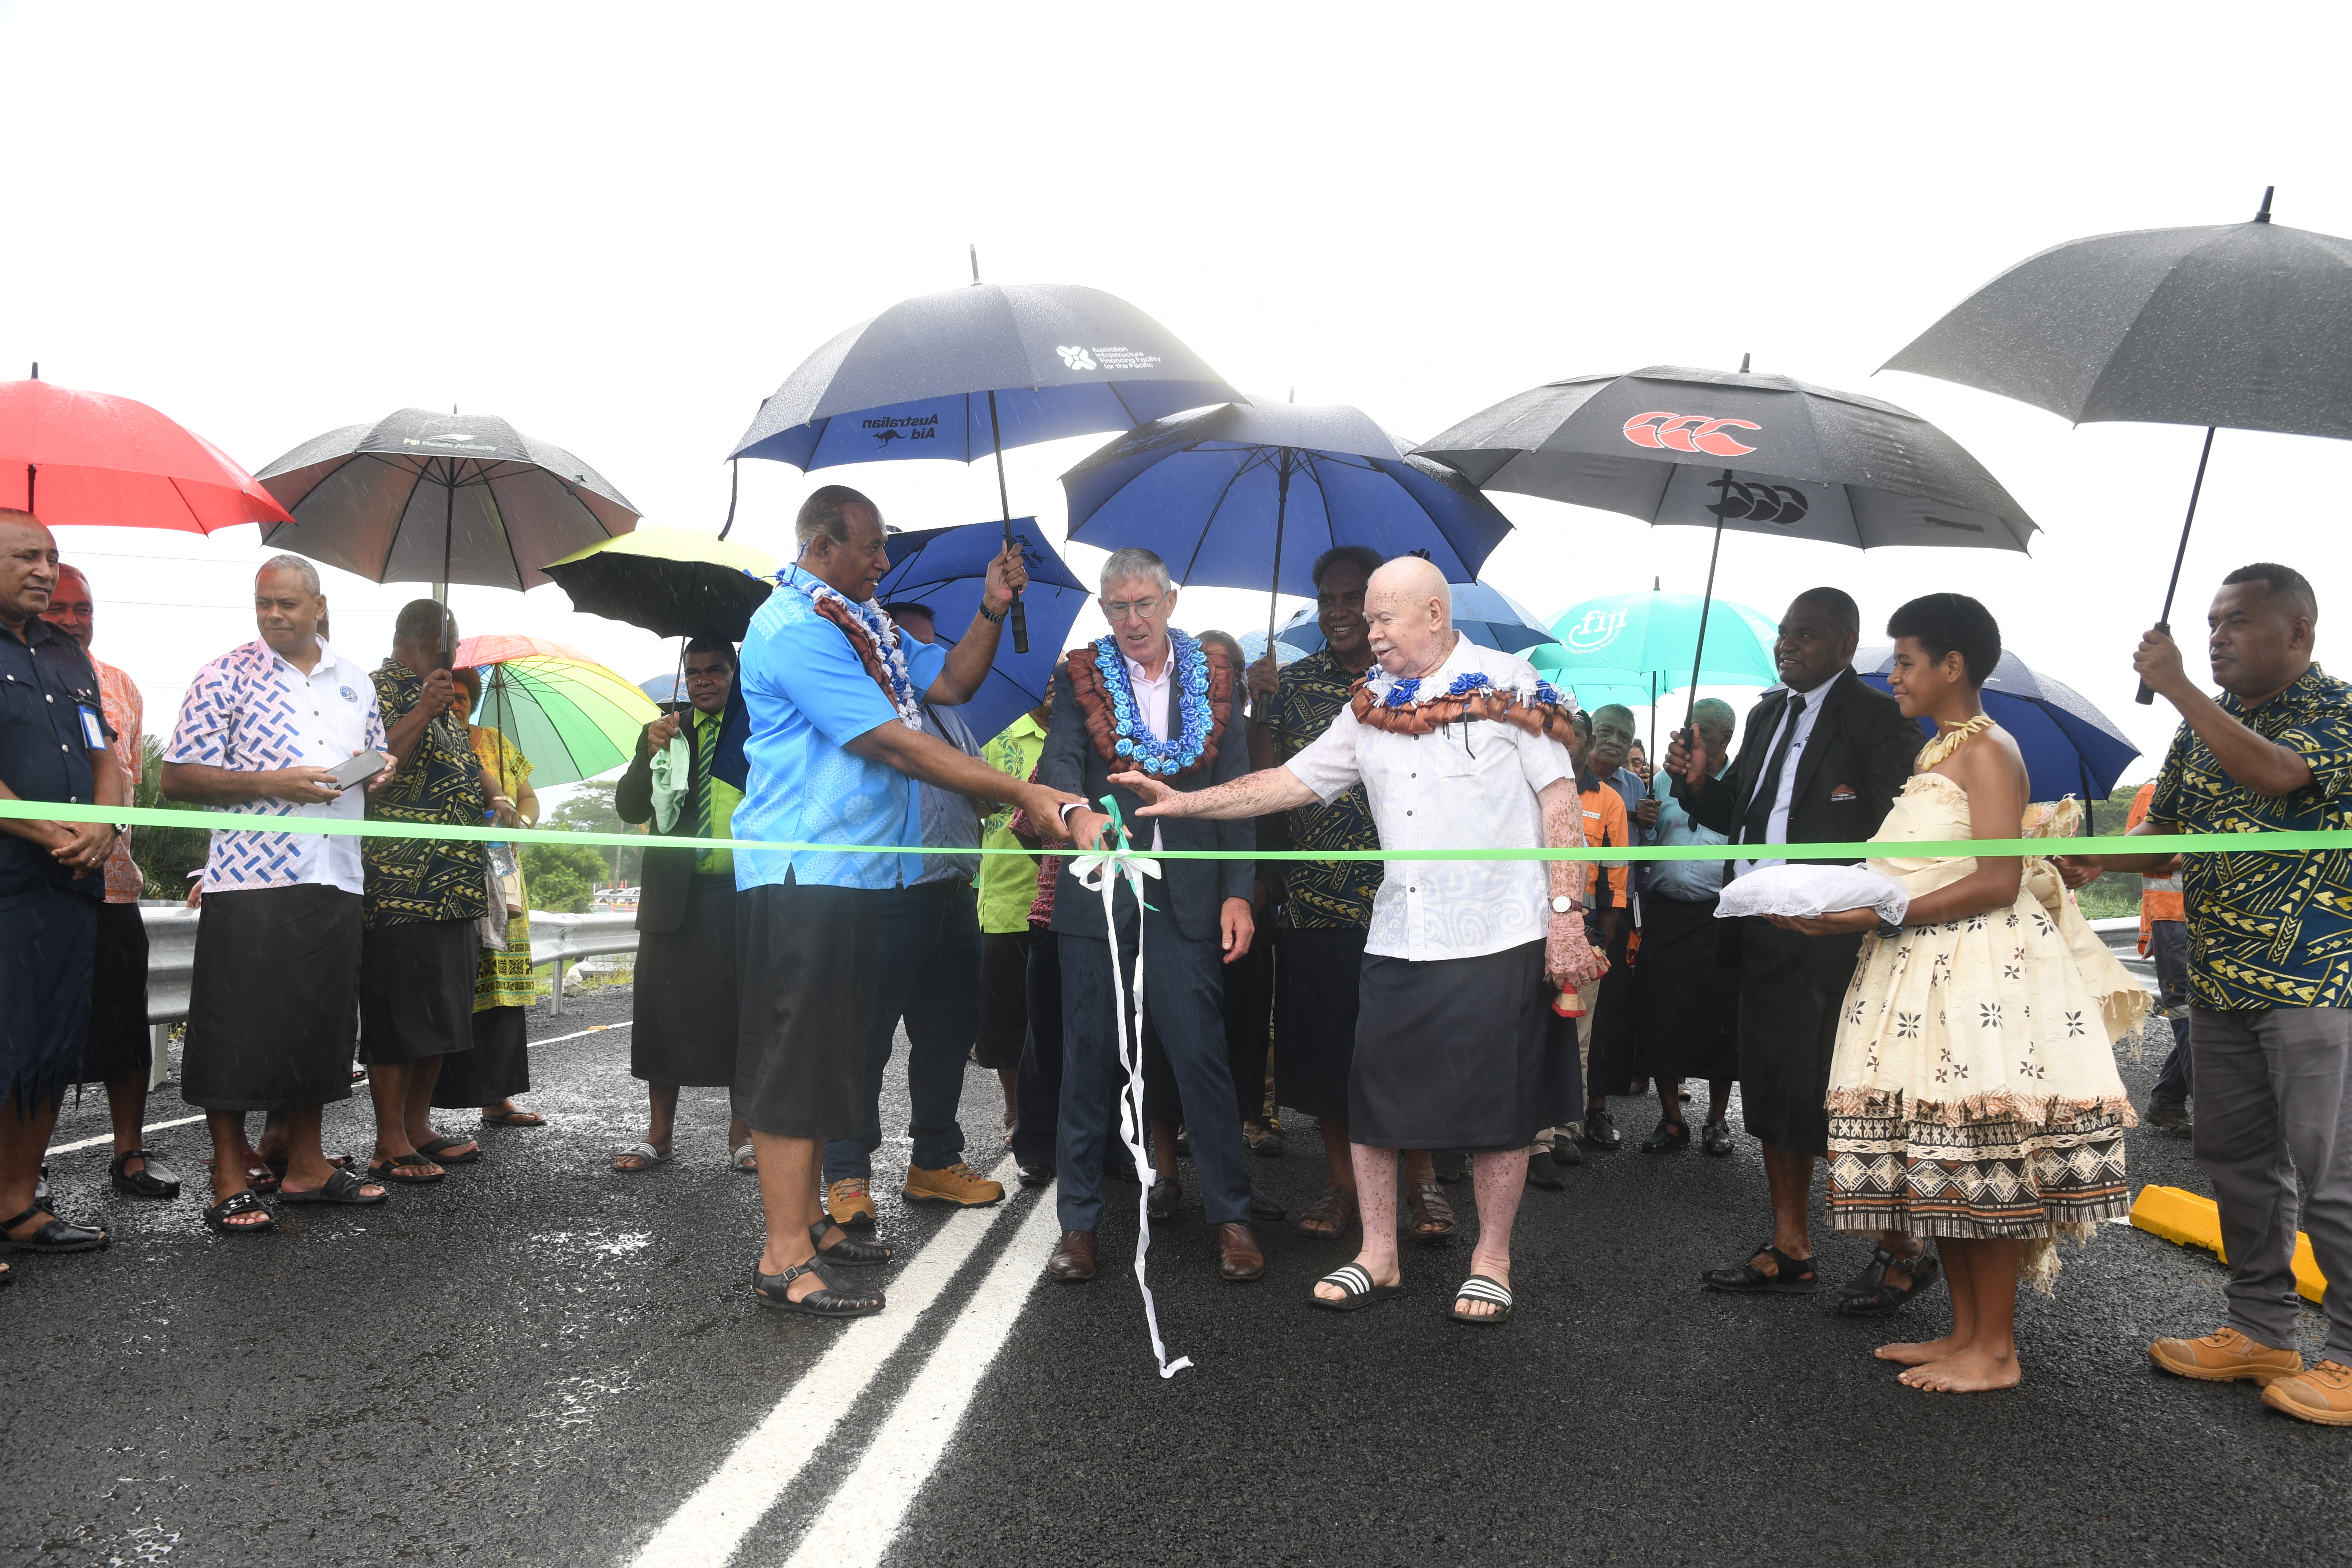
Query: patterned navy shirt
[{"x": 46, "y": 686}]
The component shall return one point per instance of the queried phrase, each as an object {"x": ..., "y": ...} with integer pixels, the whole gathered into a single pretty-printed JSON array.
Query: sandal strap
[
  {"x": 1478, "y": 1287},
  {"x": 1349, "y": 1277},
  {"x": 242, "y": 1201}
]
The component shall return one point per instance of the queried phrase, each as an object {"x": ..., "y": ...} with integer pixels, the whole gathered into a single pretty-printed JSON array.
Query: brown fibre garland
[
  {"x": 1432, "y": 713},
  {"x": 1093, "y": 692},
  {"x": 838, "y": 612}
]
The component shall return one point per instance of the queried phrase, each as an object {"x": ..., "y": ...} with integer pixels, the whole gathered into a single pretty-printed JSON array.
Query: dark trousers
[
  {"x": 1247, "y": 1008},
  {"x": 2167, "y": 944},
  {"x": 927, "y": 975},
  {"x": 1037, "y": 1091},
  {"x": 1184, "y": 998}
]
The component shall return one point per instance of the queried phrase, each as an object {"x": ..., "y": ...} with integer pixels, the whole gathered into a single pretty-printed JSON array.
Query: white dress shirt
[
  {"x": 1776, "y": 825},
  {"x": 1468, "y": 786}
]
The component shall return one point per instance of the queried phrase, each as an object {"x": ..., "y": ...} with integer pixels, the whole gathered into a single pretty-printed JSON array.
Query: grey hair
[
  {"x": 1714, "y": 714},
  {"x": 826, "y": 511},
  {"x": 1135, "y": 561},
  {"x": 299, "y": 567}
]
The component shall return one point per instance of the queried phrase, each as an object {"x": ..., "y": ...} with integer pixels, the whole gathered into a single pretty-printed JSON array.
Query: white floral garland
[{"x": 881, "y": 629}]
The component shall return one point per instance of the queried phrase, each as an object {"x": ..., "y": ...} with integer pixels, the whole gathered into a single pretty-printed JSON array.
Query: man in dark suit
[
  {"x": 1821, "y": 762},
  {"x": 685, "y": 1015},
  {"x": 1165, "y": 700}
]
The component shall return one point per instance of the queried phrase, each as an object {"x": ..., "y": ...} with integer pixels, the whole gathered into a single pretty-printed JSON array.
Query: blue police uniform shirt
[
  {"x": 46, "y": 685},
  {"x": 807, "y": 696}
]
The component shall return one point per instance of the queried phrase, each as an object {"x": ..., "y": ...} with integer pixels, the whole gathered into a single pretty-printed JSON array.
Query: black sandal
[
  {"x": 149, "y": 1181},
  {"x": 1796, "y": 1276},
  {"x": 1359, "y": 1291},
  {"x": 437, "y": 1150},
  {"x": 244, "y": 1200},
  {"x": 58, "y": 1235},
  {"x": 1868, "y": 1295},
  {"x": 342, "y": 1187},
  {"x": 833, "y": 1300},
  {"x": 394, "y": 1169},
  {"x": 848, "y": 1250},
  {"x": 1668, "y": 1136}
]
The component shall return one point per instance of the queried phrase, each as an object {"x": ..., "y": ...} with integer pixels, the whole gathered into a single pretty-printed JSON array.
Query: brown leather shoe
[
  {"x": 1072, "y": 1262},
  {"x": 1238, "y": 1258},
  {"x": 2223, "y": 1356}
]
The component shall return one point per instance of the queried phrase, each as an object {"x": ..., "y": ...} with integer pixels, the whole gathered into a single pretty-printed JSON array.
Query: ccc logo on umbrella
[
  {"x": 1688, "y": 433},
  {"x": 1783, "y": 504}
]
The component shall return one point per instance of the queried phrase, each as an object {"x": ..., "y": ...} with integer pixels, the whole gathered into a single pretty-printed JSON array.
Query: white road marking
[
  {"x": 185, "y": 1121},
  {"x": 865, "y": 1515},
  {"x": 709, "y": 1525}
]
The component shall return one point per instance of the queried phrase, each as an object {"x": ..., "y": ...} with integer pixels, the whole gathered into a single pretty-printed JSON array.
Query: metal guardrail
[{"x": 560, "y": 939}]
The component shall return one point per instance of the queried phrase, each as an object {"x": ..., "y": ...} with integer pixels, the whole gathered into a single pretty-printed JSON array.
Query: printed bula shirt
[{"x": 412, "y": 879}]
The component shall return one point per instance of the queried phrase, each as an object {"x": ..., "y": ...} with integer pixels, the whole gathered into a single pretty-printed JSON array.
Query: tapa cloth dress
[{"x": 1974, "y": 1092}]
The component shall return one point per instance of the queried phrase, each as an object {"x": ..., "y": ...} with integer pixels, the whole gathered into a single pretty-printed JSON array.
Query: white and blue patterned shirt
[{"x": 251, "y": 712}]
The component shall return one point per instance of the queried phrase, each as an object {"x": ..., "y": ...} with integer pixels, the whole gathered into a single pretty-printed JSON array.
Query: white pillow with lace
[{"x": 1806, "y": 892}]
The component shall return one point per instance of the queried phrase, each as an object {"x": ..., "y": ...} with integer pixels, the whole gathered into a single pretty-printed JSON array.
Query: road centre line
[
  {"x": 708, "y": 1526},
  {"x": 108, "y": 1138},
  {"x": 866, "y": 1512}
]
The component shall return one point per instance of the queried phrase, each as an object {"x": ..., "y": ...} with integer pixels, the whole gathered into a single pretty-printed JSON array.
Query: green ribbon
[{"x": 2253, "y": 842}]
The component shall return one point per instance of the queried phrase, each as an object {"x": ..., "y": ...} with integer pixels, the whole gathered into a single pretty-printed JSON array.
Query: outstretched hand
[
  {"x": 1838, "y": 922},
  {"x": 1158, "y": 799}
]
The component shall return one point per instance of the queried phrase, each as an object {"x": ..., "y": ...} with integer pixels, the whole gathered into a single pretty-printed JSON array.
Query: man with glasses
[{"x": 1149, "y": 697}]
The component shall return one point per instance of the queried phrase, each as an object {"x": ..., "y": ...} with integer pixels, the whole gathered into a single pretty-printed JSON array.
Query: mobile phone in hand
[{"x": 358, "y": 770}]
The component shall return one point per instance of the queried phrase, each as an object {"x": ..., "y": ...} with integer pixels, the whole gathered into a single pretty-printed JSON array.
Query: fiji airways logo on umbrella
[
  {"x": 1688, "y": 433},
  {"x": 1596, "y": 631}
]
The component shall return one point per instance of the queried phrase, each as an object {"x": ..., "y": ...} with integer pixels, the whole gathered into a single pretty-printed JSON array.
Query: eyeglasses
[{"x": 1117, "y": 610}]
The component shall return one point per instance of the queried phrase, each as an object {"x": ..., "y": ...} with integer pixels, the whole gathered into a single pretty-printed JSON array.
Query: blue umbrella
[
  {"x": 1249, "y": 495},
  {"x": 1253, "y": 649},
  {"x": 2070, "y": 747},
  {"x": 968, "y": 370},
  {"x": 1487, "y": 616},
  {"x": 947, "y": 568}
]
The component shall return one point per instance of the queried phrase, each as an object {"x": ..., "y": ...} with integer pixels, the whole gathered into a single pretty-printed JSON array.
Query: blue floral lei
[
  {"x": 1135, "y": 740},
  {"x": 1405, "y": 693}
]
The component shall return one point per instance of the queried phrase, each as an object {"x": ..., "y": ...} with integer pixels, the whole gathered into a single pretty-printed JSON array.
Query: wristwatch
[{"x": 1562, "y": 904}]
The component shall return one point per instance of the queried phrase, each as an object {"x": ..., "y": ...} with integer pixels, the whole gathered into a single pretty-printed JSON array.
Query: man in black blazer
[
  {"x": 1821, "y": 762},
  {"x": 1200, "y": 919}
]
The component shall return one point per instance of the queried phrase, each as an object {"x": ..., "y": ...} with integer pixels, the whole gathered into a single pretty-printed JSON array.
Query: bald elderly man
[{"x": 1457, "y": 747}]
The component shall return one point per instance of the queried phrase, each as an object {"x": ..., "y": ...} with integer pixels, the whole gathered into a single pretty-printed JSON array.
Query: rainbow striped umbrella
[{"x": 572, "y": 717}]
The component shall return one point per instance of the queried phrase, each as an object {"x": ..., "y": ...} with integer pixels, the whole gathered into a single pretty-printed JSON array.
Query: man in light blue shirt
[{"x": 834, "y": 697}]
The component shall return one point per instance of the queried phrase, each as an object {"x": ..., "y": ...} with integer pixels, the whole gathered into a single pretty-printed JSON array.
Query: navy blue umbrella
[
  {"x": 973, "y": 371},
  {"x": 1487, "y": 616},
  {"x": 947, "y": 569},
  {"x": 1250, "y": 494},
  {"x": 2070, "y": 747}
]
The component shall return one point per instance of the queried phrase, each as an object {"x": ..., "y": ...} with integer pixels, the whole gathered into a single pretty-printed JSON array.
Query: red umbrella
[{"x": 83, "y": 457}]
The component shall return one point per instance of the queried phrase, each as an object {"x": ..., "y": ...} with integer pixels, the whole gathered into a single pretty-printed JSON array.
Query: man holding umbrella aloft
[{"x": 833, "y": 697}]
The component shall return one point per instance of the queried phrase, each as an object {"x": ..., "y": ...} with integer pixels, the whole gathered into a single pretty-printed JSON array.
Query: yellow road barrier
[{"x": 2184, "y": 1217}]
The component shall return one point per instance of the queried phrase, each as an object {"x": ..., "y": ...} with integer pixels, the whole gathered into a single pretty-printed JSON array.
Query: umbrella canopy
[
  {"x": 496, "y": 647},
  {"x": 573, "y": 719},
  {"x": 2070, "y": 747},
  {"x": 914, "y": 381},
  {"x": 1655, "y": 635},
  {"x": 1487, "y": 616},
  {"x": 1763, "y": 454},
  {"x": 669, "y": 689},
  {"x": 88, "y": 459},
  {"x": 1593, "y": 688},
  {"x": 673, "y": 582},
  {"x": 436, "y": 497},
  {"x": 947, "y": 569},
  {"x": 1247, "y": 495},
  {"x": 1253, "y": 649},
  {"x": 2242, "y": 324}
]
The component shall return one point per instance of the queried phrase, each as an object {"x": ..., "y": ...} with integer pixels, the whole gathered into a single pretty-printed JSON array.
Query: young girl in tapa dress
[{"x": 1974, "y": 1096}]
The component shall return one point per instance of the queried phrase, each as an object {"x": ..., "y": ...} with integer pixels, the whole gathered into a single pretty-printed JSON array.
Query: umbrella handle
[
  {"x": 2146, "y": 694},
  {"x": 1020, "y": 627}
]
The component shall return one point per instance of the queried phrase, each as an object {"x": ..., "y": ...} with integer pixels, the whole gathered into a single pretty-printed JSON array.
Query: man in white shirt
[
  {"x": 275, "y": 999},
  {"x": 1457, "y": 747}
]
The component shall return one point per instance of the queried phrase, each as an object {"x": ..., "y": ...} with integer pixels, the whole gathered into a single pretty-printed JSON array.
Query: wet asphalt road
[{"x": 538, "y": 1361}]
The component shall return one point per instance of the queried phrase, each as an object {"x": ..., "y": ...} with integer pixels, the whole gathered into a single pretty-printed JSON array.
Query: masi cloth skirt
[
  {"x": 1454, "y": 1053},
  {"x": 1685, "y": 1004},
  {"x": 685, "y": 1007},
  {"x": 417, "y": 991},
  {"x": 119, "y": 1043},
  {"x": 275, "y": 995},
  {"x": 807, "y": 956},
  {"x": 1318, "y": 974}
]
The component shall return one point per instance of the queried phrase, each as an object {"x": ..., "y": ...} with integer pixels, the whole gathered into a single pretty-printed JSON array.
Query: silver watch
[{"x": 1562, "y": 904}]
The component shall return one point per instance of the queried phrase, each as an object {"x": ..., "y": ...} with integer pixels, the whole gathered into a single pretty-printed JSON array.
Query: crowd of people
[{"x": 1949, "y": 1057}]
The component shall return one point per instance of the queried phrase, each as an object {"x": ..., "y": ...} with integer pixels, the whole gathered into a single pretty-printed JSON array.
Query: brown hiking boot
[
  {"x": 2323, "y": 1395},
  {"x": 959, "y": 1184},
  {"x": 2224, "y": 1356},
  {"x": 850, "y": 1202}
]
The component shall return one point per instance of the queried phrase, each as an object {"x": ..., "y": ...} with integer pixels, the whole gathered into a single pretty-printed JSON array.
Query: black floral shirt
[{"x": 1308, "y": 694}]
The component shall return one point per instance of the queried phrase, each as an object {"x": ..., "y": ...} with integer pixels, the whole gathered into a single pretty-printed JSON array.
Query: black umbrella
[
  {"x": 435, "y": 498},
  {"x": 975, "y": 369},
  {"x": 1762, "y": 454},
  {"x": 2242, "y": 324}
]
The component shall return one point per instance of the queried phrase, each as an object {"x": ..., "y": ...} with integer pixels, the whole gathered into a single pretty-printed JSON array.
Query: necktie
[
  {"x": 704, "y": 749},
  {"x": 1758, "y": 818}
]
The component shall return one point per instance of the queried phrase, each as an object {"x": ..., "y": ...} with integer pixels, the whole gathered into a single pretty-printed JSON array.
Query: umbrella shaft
[
  {"x": 1004, "y": 507},
  {"x": 1706, "y": 604},
  {"x": 2146, "y": 694}
]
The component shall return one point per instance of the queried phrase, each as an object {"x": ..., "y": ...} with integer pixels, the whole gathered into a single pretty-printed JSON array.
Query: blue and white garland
[
  {"x": 1134, "y": 738},
  {"x": 1406, "y": 693},
  {"x": 885, "y": 633}
]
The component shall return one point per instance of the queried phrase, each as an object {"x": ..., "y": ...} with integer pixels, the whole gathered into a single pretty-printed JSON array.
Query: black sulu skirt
[
  {"x": 274, "y": 999},
  {"x": 1319, "y": 976},
  {"x": 417, "y": 991},
  {"x": 119, "y": 1043},
  {"x": 807, "y": 957},
  {"x": 1685, "y": 1004},
  {"x": 496, "y": 1068},
  {"x": 685, "y": 1007},
  {"x": 1454, "y": 1054}
]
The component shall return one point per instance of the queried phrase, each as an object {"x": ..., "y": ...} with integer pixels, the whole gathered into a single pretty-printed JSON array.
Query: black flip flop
[
  {"x": 1796, "y": 1276},
  {"x": 242, "y": 1201},
  {"x": 830, "y": 1302},
  {"x": 342, "y": 1187},
  {"x": 394, "y": 1169},
  {"x": 437, "y": 1151},
  {"x": 1483, "y": 1288},
  {"x": 1870, "y": 1296},
  {"x": 1360, "y": 1292}
]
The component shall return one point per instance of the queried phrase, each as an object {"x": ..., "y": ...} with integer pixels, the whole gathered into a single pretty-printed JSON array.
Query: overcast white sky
[{"x": 620, "y": 227}]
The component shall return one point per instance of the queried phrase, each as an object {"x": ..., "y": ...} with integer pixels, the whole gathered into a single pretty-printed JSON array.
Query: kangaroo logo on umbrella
[
  {"x": 1688, "y": 433},
  {"x": 883, "y": 437},
  {"x": 1760, "y": 504}
]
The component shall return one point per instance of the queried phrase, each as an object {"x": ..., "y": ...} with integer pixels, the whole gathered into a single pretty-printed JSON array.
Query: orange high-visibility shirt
[
  {"x": 1604, "y": 822},
  {"x": 2160, "y": 897}
]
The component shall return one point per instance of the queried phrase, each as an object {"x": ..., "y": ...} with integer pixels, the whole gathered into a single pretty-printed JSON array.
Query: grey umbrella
[
  {"x": 439, "y": 498},
  {"x": 2242, "y": 324},
  {"x": 1762, "y": 454}
]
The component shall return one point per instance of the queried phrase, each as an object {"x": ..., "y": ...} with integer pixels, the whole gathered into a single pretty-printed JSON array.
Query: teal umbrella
[{"x": 1642, "y": 644}]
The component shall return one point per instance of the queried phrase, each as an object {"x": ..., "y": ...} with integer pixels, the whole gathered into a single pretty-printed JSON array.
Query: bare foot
[
  {"x": 1326, "y": 1291},
  {"x": 1920, "y": 1353},
  {"x": 1971, "y": 1372}
]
